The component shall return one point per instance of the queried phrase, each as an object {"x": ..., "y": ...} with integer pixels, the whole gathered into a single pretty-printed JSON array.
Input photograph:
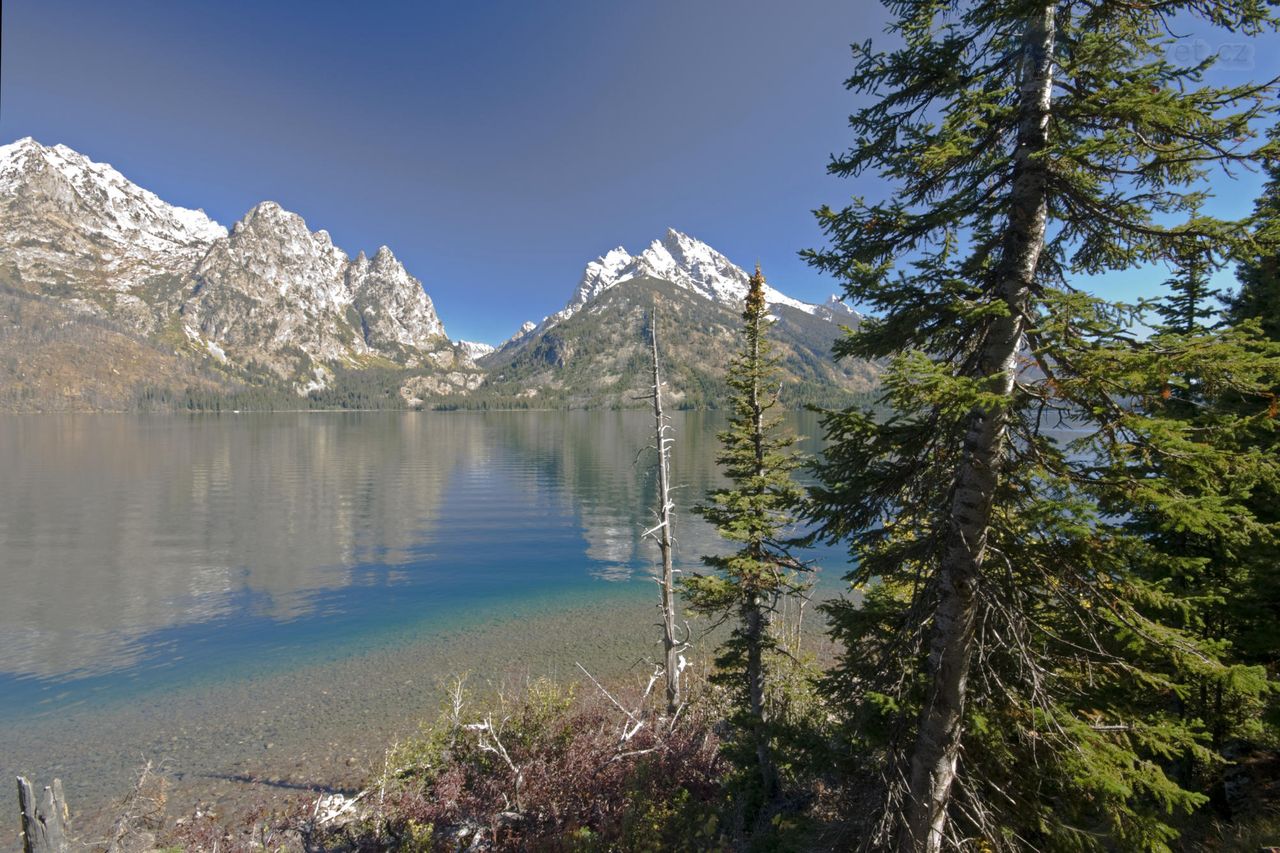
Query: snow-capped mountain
[
  {"x": 593, "y": 351},
  {"x": 837, "y": 310},
  {"x": 474, "y": 349},
  {"x": 69, "y": 217},
  {"x": 527, "y": 328},
  {"x": 112, "y": 298},
  {"x": 679, "y": 259},
  {"x": 115, "y": 207},
  {"x": 274, "y": 286},
  {"x": 175, "y": 290}
]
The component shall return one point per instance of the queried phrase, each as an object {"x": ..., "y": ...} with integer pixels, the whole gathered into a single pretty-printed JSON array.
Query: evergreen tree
[
  {"x": 1192, "y": 301},
  {"x": 1012, "y": 671},
  {"x": 1207, "y": 390},
  {"x": 749, "y": 583},
  {"x": 1254, "y": 623},
  {"x": 1259, "y": 273}
]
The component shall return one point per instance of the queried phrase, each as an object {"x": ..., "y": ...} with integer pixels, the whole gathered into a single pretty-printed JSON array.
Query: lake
[{"x": 271, "y": 598}]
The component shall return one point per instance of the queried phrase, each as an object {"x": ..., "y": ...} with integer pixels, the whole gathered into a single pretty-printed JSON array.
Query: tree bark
[
  {"x": 756, "y": 622},
  {"x": 44, "y": 823},
  {"x": 670, "y": 646},
  {"x": 936, "y": 751}
]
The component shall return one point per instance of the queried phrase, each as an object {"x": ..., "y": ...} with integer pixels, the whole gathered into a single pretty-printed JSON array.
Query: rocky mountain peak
[
  {"x": 675, "y": 257},
  {"x": 393, "y": 307},
  {"x": 384, "y": 259},
  {"x": 19, "y": 154},
  {"x": 527, "y": 328},
  {"x": 81, "y": 210},
  {"x": 269, "y": 218},
  {"x": 598, "y": 276},
  {"x": 681, "y": 259},
  {"x": 269, "y": 294},
  {"x": 271, "y": 252},
  {"x": 474, "y": 349}
]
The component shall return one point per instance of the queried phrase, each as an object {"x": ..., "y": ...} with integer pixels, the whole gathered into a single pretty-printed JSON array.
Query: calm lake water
[{"x": 148, "y": 559}]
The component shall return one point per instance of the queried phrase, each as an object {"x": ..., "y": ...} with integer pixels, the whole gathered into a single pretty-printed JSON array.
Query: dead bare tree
[
  {"x": 44, "y": 821},
  {"x": 672, "y": 646}
]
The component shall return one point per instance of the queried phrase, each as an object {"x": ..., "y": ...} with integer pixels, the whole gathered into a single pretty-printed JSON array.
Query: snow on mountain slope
[
  {"x": 474, "y": 349},
  {"x": 679, "y": 259},
  {"x": 270, "y": 292},
  {"x": 527, "y": 328},
  {"x": 106, "y": 208}
]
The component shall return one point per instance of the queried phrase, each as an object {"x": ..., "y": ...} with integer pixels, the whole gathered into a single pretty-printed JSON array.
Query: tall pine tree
[
  {"x": 753, "y": 511},
  {"x": 1255, "y": 621},
  {"x": 1012, "y": 672},
  {"x": 1259, "y": 273}
]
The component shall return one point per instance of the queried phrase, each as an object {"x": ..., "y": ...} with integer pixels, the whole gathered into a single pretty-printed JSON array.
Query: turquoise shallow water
[{"x": 172, "y": 562}]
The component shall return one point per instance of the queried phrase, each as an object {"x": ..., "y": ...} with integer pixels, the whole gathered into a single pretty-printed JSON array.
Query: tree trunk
[
  {"x": 754, "y": 616},
  {"x": 937, "y": 747},
  {"x": 44, "y": 823},
  {"x": 670, "y": 645}
]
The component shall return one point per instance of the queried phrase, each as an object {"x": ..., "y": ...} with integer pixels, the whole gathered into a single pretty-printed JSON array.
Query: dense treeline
[{"x": 379, "y": 389}]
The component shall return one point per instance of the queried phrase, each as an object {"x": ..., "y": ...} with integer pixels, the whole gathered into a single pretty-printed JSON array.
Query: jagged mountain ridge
[
  {"x": 594, "y": 350},
  {"x": 475, "y": 349},
  {"x": 680, "y": 259},
  {"x": 107, "y": 291},
  {"x": 84, "y": 248},
  {"x": 118, "y": 223},
  {"x": 272, "y": 287}
]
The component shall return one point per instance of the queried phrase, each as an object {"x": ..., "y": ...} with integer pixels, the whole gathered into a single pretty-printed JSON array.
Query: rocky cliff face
[
  {"x": 395, "y": 312},
  {"x": 275, "y": 290},
  {"x": 166, "y": 286},
  {"x": 82, "y": 224}
]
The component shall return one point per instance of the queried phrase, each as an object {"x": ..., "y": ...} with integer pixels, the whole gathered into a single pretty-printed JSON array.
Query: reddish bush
[{"x": 557, "y": 769}]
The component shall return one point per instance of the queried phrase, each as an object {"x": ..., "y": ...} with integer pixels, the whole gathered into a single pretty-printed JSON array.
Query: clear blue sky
[{"x": 495, "y": 146}]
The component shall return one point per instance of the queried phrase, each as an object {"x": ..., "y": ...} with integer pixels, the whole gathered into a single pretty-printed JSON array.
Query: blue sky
[{"x": 495, "y": 146}]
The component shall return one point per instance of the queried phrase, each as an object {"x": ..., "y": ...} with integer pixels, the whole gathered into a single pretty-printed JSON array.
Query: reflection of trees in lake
[{"x": 602, "y": 461}]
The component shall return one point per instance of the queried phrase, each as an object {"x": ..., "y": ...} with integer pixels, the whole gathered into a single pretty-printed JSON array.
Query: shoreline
[
  {"x": 314, "y": 728},
  {"x": 325, "y": 726}
]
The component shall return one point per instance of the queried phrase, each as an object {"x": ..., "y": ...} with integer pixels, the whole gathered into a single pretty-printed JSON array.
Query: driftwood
[{"x": 45, "y": 824}]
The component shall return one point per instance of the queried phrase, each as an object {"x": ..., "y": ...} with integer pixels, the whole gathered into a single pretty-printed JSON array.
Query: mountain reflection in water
[{"x": 128, "y": 543}]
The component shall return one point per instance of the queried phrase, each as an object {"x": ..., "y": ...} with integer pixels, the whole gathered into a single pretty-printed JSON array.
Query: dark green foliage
[
  {"x": 1252, "y": 623},
  {"x": 1259, "y": 272},
  {"x": 1059, "y": 633},
  {"x": 757, "y": 459},
  {"x": 1192, "y": 303},
  {"x": 370, "y": 389}
]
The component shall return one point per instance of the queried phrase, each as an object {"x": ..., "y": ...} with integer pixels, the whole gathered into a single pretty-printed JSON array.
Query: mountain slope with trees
[{"x": 593, "y": 352}]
